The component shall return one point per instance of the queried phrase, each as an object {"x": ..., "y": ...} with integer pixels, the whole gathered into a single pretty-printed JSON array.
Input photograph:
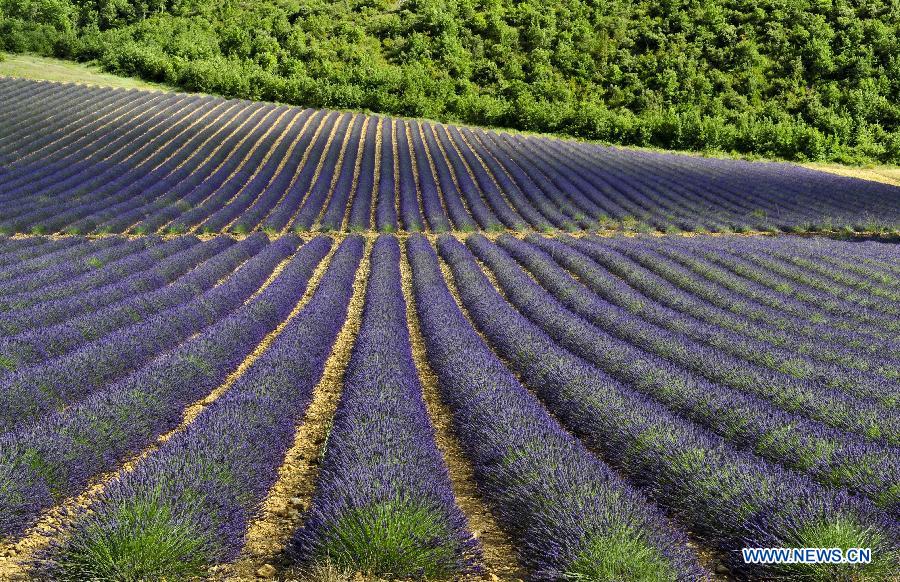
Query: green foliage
[
  {"x": 7, "y": 363},
  {"x": 795, "y": 79},
  {"x": 145, "y": 542},
  {"x": 844, "y": 534},
  {"x": 399, "y": 538},
  {"x": 621, "y": 555}
]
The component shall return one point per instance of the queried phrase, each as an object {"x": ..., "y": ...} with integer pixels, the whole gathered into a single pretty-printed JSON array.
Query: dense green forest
[{"x": 796, "y": 79}]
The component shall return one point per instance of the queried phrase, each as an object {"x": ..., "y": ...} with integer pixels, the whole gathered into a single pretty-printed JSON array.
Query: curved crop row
[
  {"x": 131, "y": 161},
  {"x": 831, "y": 456},
  {"x": 722, "y": 324},
  {"x": 159, "y": 268},
  {"x": 101, "y": 270},
  {"x": 204, "y": 485},
  {"x": 36, "y": 390},
  {"x": 731, "y": 498},
  {"x": 570, "y": 515},
  {"x": 789, "y": 389},
  {"x": 43, "y": 342},
  {"x": 44, "y": 461},
  {"x": 383, "y": 503}
]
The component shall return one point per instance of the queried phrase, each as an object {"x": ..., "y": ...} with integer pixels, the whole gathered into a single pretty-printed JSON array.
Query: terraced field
[
  {"x": 197, "y": 382},
  {"x": 83, "y": 159}
]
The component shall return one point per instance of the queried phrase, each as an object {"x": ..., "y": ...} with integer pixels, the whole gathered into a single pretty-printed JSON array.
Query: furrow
[
  {"x": 278, "y": 518},
  {"x": 498, "y": 554}
]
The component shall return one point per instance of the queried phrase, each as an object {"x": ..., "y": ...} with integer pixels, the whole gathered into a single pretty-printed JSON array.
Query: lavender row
[
  {"x": 84, "y": 112},
  {"x": 413, "y": 210},
  {"x": 385, "y": 201},
  {"x": 243, "y": 189},
  {"x": 566, "y": 313},
  {"x": 805, "y": 397},
  {"x": 101, "y": 288},
  {"x": 229, "y": 179},
  {"x": 103, "y": 197},
  {"x": 114, "y": 125},
  {"x": 383, "y": 502},
  {"x": 339, "y": 204},
  {"x": 281, "y": 168},
  {"x": 333, "y": 163},
  {"x": 11, "y": 246},
  {"x": 132, "y": 301},
  {"x": 359, "y": 215},
  {"x": 766, "y": 311},
  {"x": 839, "y": 304},
  {"x": 854, "y": 278},
  {"x": 24, "y": 249},
  {"x": 36, "y": 390},
  {"x": 681, "y": 293},
  {"x": 69, "y": 186},
  {"x": 102, "y": 253},
  {"x": 17, "y": 120},
  {"x": 730, "y": 498},
  {"x": 497, "y": 185},
  {"x": 55, "y": 253},
  {"x": 764, "y": 289},
  {"x": 23, "y": 121},
  {"x": 119, "y": 190},
  {"x": 44, "y": 461},
  {"x": 150, "y": 176},
  {"x": 45, "y": 156},
  {"x": 273, "y": 192},
  {"x": 568, "y": 513},
  {"x": 833, "y": 280},
  {"x": 295, "y": 193},
  {"x": 102, "y": 270},
  {"x": 785, "y": 356},
  {"x": 78, "y": 188},
  {"x": 177, "y": 186},
  {"x": 206, "y": 483}
]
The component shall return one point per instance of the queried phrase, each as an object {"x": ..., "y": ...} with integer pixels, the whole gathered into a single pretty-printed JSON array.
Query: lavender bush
[
  {"x": 731, "y": 498},
  {"x": 46, "y": 460}
]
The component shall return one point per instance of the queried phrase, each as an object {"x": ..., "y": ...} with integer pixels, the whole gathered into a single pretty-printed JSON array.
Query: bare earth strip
[
  {"x": 281, "y": 512},
  {"x": 500, "y": 560},
  {"x": 885, "y": 175}
]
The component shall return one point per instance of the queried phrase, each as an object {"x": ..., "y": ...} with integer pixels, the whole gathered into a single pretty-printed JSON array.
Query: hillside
[{"x": 778, "y": 78}]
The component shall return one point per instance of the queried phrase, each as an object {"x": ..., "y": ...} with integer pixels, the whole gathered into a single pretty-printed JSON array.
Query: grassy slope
[{"x": 50, "y": 69}]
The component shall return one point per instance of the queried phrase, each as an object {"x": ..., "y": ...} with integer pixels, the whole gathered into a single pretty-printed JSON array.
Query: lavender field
[
  {"x": 245, "y": 341},
  {"x": 457, "y": 406},
  {"x": 80, "y": 159}
]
